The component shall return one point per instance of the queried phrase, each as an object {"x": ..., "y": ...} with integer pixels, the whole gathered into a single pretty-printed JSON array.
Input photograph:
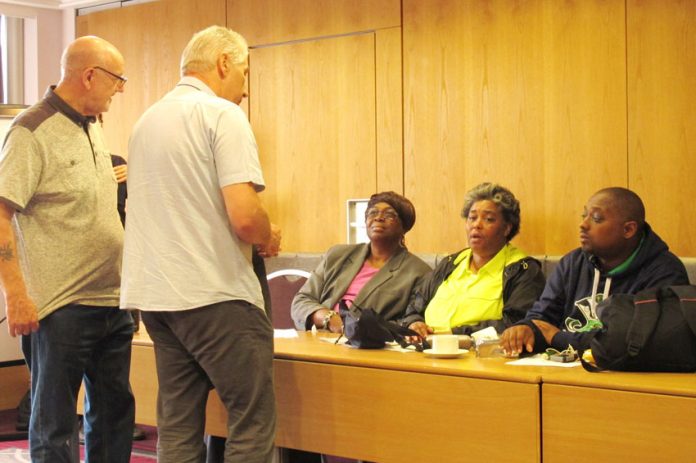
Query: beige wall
[
  {"x": 430, "y": 97},
  {"x": 44, "y": 48}
]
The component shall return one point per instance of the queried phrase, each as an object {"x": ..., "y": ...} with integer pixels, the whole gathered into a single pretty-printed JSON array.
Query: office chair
[{"x": 283, "y": 285}]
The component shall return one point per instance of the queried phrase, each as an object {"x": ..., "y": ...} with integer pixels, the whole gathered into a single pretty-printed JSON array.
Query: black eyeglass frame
[{"x": 122, "y": 79}]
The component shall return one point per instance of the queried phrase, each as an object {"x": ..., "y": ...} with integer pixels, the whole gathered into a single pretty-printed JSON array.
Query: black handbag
[
  {"x": 366, "y": 329},
  {"x": 653, "y": 330}
]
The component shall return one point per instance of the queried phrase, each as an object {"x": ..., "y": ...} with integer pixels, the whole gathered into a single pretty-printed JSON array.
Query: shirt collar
[
  {"x": 64, "y": 108},
  {"x": 190, "y": 81},
  {"x": 495, "y": 266}
]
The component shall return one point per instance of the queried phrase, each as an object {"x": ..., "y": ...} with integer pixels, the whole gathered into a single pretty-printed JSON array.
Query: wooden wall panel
[
  {"x": 554, "y": 99},
  {"x": 662, "y": 116},
  {"x": 473, "y": 112},
  {"x": 389, "y": 110},
  {"x": 312, "y": 107},
  {"x": 530, "y": 94},
  {"x": 264, "y": 22},
  {"x": 151, "y": 37},
  {"x": 585, "y": 111}
]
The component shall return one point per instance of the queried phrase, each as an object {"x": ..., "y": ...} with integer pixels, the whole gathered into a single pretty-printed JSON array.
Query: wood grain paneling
[
  {"x": 473, "y": 112},
  {"x": 151, "y": 37},
  {"x": 530, "y": 94},
  {"x": 554, "y": 99},
  {"x": 264, "y": 22},
  {"x": 588, "y": 424},
  {"x": 389, "y": 110},
  {"x": 312, "y": 107},
  {"x": 662, "y": 116},
  {"x": 584, "y": 111}
]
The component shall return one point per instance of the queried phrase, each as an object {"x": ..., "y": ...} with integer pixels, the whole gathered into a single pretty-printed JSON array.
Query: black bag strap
[
  {"x": 687, "y": 302},
  {"x": 645, "y": 315},
  {"x": 591, "y": 367}
]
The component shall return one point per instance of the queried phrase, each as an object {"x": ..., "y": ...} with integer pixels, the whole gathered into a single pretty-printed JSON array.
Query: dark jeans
[{"x": 73, "y": 344}]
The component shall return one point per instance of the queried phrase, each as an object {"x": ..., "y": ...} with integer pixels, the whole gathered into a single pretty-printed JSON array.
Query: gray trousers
[{"x": 228, "y": 346}]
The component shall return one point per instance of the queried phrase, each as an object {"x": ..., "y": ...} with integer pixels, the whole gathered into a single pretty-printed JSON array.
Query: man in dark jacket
[{"x": 619, "y": 252}]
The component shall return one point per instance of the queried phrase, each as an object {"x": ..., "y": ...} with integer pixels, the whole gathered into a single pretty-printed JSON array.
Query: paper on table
[
  {"x": 290, "y": 333},
  {"x": 538, "y": 361},
  {"x": 396, "y": 347},
  {"x": 389, "y": 346}
]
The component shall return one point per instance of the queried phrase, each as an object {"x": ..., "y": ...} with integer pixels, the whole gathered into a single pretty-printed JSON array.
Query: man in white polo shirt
[{"x": 193, "y": 217}]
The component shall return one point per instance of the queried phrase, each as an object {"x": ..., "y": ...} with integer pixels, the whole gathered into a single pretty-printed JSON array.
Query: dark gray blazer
[{"x": 388, "y": 292}]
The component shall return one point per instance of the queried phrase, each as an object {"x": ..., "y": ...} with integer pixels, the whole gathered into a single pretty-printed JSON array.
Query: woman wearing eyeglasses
[
  {"x": 490, "y": 283},
  {"x": 379, "y": 275}
]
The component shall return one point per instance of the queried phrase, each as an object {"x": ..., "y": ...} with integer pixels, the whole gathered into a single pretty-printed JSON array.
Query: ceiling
[{"x": 59, "y": 4}]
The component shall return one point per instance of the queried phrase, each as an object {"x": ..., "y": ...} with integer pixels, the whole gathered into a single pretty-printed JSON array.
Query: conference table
[
  {"x": 618, "y": 416},
  {"x": 392, "y": 406},
  {"x": 382, "y": 405}
]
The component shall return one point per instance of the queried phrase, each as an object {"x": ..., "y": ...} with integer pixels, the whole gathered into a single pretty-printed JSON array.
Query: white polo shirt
[{"x": 180, "y": 251}]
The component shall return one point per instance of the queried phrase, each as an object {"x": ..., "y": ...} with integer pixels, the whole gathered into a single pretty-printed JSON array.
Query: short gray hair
[
  {"x": 204, "y": 48},
  {"x": 502, "y": 197}
]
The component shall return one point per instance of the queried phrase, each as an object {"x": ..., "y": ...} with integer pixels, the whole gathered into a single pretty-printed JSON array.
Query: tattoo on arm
[{"x": 6, "y": 253}]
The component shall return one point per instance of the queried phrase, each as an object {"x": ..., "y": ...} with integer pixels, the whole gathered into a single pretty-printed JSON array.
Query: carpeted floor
[
  {"x": 8, "y": 418},
  {"x": 14, "y": 444},
  {"x": 17, "y": 452}
]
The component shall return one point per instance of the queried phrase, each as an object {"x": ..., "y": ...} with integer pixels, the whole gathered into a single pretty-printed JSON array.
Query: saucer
[{"x": 431, "y": 354}]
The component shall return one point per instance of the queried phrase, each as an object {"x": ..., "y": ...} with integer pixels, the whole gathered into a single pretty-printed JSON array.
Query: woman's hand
[
  {"x": 421, "y": 328},
  {"x": 335, "y": 322}
]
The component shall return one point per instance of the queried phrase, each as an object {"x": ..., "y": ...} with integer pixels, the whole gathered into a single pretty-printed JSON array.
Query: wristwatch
[{"x": 327, "y": 320}]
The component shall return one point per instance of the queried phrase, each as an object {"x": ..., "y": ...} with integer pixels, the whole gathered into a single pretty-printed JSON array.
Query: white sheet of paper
[
  {"x": 538, "y": 361},
  {"x": 390, "y": 345},
  {"x": 289, "y": 333}
]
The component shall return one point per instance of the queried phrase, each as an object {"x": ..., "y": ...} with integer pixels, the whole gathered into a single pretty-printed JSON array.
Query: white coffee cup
[{"x": 445, "y": 343}]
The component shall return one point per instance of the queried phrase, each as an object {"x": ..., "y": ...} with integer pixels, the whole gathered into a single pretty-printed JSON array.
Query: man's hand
[
  {"x": 517, "y": 338},
  {"x": 121, "y": 173},
  {"x": 22, "y": 317},
  {"x": 272, "y": 248},
  {"x": 547, "y": 329}
]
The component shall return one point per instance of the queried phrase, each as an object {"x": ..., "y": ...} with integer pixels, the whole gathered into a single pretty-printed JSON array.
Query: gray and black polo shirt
[{"x": 56, "y": 173}]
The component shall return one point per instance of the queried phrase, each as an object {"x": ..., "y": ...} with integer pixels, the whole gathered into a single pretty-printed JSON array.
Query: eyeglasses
[
  {"x": 387, "y": 214},
  {"x": 121, "y": 79}
]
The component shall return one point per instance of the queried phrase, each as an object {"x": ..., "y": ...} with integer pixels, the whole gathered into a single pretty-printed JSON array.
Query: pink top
[{"x": 359, "y": 281}]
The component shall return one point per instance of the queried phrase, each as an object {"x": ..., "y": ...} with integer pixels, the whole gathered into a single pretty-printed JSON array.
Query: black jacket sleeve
[
  {"x": 415, "y": 311},
  {"x": 523, "y": 282}
]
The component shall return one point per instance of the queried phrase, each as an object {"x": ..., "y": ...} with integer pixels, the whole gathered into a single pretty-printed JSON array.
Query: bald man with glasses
[{"x": 60, "y": 249}]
